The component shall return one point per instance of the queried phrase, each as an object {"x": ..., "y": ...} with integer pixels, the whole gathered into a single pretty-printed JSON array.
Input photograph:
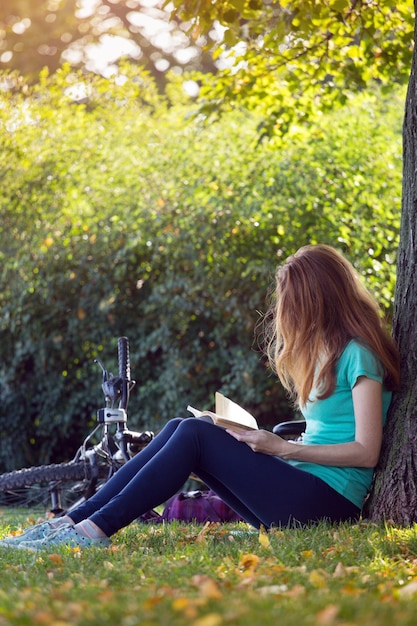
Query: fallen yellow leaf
[
  {"x": 151, "y": 602},
  {"x": 212, "y": 619},
  {"x": 264, "y": 539},
  {"x": 185, "y": 606},
  {"x": 351, "y": 590},
  {"x": 249, "y": 561},
  {"x": 318, "y": 578},
  {"x": 179, "y": 604},
  {"x": 307, "y": 554}
]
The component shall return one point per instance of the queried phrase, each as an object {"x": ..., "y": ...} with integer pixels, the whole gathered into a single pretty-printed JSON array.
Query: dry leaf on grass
[
  {"x": 249, "y": 561},
  {"x": 272, "y": 590},
  {"x": 207, "y": 586},
  {"x": 56, "y": 559},
  {"x": 212, "y": 619},
  {"x": 327, "y": 616},
  {"x": 264, "y": 539},
  {"x": 408, "y": 590},
  {"x": 318, "y": 578}
]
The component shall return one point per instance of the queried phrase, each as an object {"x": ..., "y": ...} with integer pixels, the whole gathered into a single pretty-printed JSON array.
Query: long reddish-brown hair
[{"x": 321, "y": 304}]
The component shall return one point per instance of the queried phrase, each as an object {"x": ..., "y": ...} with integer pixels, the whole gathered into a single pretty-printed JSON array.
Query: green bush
[{"x": 121, "y": 217}]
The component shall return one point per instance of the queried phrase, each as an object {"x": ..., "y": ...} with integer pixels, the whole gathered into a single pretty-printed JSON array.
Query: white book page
[
  {"x": 233, "y": 412},
  {"x": 228, "y": 415}
]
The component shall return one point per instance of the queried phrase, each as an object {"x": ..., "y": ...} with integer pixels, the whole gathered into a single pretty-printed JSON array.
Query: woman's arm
[{"x": 363, "y": 452}]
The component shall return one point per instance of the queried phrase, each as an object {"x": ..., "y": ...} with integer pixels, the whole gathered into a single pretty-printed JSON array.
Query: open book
[{"x": 227, "y": 414}]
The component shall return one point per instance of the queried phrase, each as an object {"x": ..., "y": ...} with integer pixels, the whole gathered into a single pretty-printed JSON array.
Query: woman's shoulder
[
  {"x": 357, "y": 355},
  {"x": 356, "y": 346}
]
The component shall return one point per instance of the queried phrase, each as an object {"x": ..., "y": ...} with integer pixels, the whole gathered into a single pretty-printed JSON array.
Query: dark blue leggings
[{"x": 261, "y": 488}]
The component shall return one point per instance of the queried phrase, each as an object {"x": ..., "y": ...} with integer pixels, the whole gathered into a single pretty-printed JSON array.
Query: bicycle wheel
[{"x": 35, "y": 487}]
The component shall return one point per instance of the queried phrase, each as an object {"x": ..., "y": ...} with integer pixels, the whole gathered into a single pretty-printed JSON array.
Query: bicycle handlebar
[
  {"x": 124, "y": 358},
  {"x": 124, "y": 369}
]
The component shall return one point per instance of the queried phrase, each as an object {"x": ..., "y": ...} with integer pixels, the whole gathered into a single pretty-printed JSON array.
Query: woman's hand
[{"x": 262, "y": 441}]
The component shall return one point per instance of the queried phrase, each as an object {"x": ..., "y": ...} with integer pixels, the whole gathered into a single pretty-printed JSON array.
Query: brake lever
[{"x": 111, "y": 385}]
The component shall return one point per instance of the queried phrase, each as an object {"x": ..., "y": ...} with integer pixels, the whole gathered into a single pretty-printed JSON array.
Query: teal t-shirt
[{"x": 332, "y": 421}]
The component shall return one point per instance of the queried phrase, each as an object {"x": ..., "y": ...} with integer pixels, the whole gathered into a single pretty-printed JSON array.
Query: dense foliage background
[{"x": 123, "y": 215}]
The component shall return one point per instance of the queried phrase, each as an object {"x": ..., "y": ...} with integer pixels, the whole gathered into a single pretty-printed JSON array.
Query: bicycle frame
[
  {"x": 93, "y": 464},
  {"x": 118, "y": 448}
]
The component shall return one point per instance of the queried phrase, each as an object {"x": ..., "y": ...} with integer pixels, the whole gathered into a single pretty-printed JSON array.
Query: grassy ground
[{"x": 221, "y": 574}]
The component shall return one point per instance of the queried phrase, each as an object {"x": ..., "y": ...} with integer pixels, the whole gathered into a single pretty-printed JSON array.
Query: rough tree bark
[{"x": 394, "y": 494}]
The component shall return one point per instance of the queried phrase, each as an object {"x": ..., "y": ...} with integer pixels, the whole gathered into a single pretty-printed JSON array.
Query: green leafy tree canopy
[{"x": 287, "y": 59}]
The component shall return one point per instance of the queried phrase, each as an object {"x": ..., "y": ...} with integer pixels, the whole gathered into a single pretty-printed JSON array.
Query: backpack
[{"x": 194, "y": 506}]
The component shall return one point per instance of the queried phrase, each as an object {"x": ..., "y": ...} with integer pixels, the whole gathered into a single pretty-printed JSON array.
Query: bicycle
[{"x": 66, "y": 485}]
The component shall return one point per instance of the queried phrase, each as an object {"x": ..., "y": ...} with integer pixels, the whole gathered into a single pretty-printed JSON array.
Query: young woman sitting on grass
[{"x": 332, "y": 352}]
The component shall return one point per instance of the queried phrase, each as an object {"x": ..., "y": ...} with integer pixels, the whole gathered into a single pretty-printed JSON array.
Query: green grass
[{"x": 209, "y": 576}]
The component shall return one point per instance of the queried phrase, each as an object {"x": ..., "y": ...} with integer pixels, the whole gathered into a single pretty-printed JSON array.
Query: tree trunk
[{"x": 394, "y": 493}]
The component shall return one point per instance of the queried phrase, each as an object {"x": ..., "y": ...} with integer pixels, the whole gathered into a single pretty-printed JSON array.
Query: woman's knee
[
  {"x": 189, "y": 424},
  {"x": 172, "y": 425},
  {"x": 175, "y": 421},
  {"x": 200, "y": 430}
]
